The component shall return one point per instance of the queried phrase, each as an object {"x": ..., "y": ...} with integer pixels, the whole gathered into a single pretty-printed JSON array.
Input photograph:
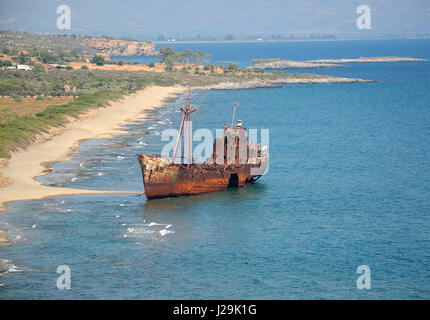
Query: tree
[
  {"x": 232, "y": 66},
  {"x": 187, "y": 55},
  {"x": 98, "y": 60},
  {"x": 44, "y": 88},
  {"x": 166, "y": 52},
  {"x": 207, "y": 58},
  {"x": 170, "y": 62},
  {"x": 38, "y": 68},
  {"x": 21, "y": 58},
  {"x": 6, "y": 89},
  {"x": 57, "y": 89},
  {"x": 198, "y": 56},
  {"x": 5, "y": 63},
  {"x": 46, "y": 57}
]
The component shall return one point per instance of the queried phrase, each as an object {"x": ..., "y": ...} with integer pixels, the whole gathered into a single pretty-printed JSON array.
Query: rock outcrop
[
  {"x": 277, "y": 63},
  {"x": 113, "y": 47},
  {"x": 369, "y": 59},
  {"x": 273, "y": 83}
]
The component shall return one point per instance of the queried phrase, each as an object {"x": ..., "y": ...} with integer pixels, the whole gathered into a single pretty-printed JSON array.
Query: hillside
[
  {"x": 115, "y": 47},
  {"x": 87, "y": 46}
]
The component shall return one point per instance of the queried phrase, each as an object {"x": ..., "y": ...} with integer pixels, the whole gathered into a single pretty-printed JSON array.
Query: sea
[{"x": 345, "y": 202}]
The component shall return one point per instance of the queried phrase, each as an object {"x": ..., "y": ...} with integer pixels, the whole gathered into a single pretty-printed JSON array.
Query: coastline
[
  {"x": 287, "y": 40},
  {"x": 25, "y": 165},
  {"x": 257, "y": 83}
]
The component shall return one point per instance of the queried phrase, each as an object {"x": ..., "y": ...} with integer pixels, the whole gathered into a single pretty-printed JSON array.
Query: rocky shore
[
  {"x": 369, "y": 59},
  {"x": 290, "y": 64},
  {"x": 276, "y": 63},
  {"x": 253, "y": 84}
]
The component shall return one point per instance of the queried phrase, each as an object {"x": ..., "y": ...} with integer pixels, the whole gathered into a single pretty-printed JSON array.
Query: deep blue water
[
  {"x": 242, "y": 53},
  {"x": 348, "y": 185}
]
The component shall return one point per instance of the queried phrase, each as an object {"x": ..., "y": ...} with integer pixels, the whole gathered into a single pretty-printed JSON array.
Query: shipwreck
[{"x": 235, "y": 162}]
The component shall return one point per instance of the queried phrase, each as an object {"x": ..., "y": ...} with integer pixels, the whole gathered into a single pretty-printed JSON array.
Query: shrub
[
  {"x": 16, "y": 97},
  {"x": 6, "y": 89},
  {"x": 232, "y": 66},
  {"x": 7, "y": 115},
  {"x": 84, "y": 67},
  {"x": 19, "y": 131},
  {"x": 151, "y": 65},
  {"x": 98, "y": 60}
]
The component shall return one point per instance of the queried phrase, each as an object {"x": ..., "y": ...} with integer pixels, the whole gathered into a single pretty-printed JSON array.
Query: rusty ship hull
[
  {"x": 172, "y": 180},
  {"x": 235, "y": 162}
]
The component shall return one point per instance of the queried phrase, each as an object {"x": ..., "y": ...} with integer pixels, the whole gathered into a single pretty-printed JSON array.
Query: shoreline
[
  {"x": 285, "y": 40},
  {"x": 23, "y": 166},
  {"x": 257, "y": 83}
]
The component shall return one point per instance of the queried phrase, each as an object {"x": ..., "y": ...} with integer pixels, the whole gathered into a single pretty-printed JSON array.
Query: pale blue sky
[{"x": 189, "y": 18}]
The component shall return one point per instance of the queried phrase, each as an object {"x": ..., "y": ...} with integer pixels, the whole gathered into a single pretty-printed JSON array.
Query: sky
[{"x": 141, "y": 19}]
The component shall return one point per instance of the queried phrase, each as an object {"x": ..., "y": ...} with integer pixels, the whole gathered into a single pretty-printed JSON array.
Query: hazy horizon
[{"x": 207, "y": 19}]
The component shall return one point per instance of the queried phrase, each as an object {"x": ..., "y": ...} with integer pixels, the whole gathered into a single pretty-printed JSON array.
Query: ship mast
[
  {"x": 234, "y": 113},
  {"x": 187, "y": 136}
]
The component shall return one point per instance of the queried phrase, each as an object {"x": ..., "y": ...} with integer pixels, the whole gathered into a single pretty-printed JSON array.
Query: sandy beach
[
  {"x": 24, "y": 166},
  {"x": 2, "y": 236}
]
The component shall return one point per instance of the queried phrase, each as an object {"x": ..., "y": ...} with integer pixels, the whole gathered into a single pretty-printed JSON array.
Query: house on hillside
[{"x": 24, "y": 67}]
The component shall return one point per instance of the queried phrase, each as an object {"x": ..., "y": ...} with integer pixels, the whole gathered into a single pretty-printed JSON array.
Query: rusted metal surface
[
  {"x": 234, "y": 163},
  {"x": 162, "y": 179}
]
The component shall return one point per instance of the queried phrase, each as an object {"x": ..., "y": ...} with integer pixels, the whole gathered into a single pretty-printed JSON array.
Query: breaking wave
[
  {"x": 7, "y": 266},
  {"x": 147, "y": 231}
]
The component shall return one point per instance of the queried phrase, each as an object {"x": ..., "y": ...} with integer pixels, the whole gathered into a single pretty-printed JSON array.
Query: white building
[{"x": 24, "y": 67}]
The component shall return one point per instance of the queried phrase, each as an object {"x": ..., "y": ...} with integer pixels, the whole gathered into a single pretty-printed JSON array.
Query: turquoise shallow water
[{"x": 348, "y": 185}]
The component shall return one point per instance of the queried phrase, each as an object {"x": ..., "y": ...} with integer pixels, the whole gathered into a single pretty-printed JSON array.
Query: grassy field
[
  {"x": 29, "y": 106},
  {"x": 18, "y": 131}
]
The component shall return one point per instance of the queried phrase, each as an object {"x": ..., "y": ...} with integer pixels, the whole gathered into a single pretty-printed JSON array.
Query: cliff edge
[{"x": 115, "y": 47}]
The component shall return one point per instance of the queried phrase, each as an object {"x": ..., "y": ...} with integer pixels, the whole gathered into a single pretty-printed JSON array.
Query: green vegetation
[
  {"x": 17, "y": 131},
  {"x": 98, "y": 60},
  {"x": 169, "y": 56},
  {"x": 231, "y": 67},
  {"x": 5, "y": 63}
]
